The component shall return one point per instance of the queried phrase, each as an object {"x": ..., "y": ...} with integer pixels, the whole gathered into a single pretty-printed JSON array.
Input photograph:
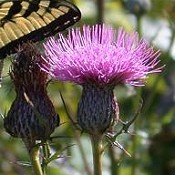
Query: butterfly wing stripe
[
  {"x": 12, "y": 30},
  {"x": 25, "y": 5},
  {"x": 6, "y": 5},
  {"x": 33, "y": 6},
  {"x": 4, "y": 36},
  {"x": 16, "y": 29},
  {"x": 56, "y": 13},
  {"x": 48, "y": 18},
  {"x": 22, "y": 12},
  {"x": 3, "y": 12},
  {"x": 23, "y": 25},
  {"x": 41, "y": 11},
  {"x": 36, "y": 21},
  {"x": 63, "y": 9},
  {"x": 2, "y": 43},
  {"x": 27, "y": 23},
  {"x": 44, "y": 4}
]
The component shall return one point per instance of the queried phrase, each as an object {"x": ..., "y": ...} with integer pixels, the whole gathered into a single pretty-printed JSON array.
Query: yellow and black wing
[{"x": 23, "y": 20}]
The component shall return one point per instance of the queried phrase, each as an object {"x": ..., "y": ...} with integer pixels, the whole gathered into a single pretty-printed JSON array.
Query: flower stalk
[
  {"x": 34, "y": 157},
  {"x": 114, "y": 161},
  {"x": 97, "y": 150},
  {"x": 46, "y": 153}
]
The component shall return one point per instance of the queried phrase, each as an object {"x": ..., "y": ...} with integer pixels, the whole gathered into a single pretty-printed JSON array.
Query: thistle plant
[
  {"x": 32, "y": 116},
  {"x": 98, "y": 58}
]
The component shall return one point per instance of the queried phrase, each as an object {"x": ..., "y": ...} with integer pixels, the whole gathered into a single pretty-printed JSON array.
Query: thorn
[
  {"x": 69, "y": 116},
  {"x": 118, "y": 145},
  {"x": 133, "y": 134}
]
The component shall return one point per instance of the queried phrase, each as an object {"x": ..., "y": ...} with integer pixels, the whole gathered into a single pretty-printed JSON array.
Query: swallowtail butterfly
[{"x": 34, "y": 20}]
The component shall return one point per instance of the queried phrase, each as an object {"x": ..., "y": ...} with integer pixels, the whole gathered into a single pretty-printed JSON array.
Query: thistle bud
[
  {"x": 32, "y": 115},
  {"x": 138, "y": 7},
  {"x": 97, "y": 110}
]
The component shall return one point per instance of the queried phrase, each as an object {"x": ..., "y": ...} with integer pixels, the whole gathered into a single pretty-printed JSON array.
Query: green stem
[
  {"x": 139, "y": 30},
  {"x": 114, "y": 162},
  {"x": 83, "y": 154},
  {"x": 100, "y": 11},
  {"x": 134, "y": 148},
  {"x": 135, "y": 128},
  {"x": 34, "y": 156},
  {"x": 46, "y": 153},
  {"x": 97, "y": 149}
]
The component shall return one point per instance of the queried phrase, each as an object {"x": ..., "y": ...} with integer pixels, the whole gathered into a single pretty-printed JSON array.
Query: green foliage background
[{"x": 153, "y": 143}]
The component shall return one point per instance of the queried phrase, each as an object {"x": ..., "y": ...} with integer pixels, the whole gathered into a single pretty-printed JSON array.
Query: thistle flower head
[
  {"x": 31, "y": 116},
  {"x": 98, "y": 58},
  {"x": 101, "y": 55}
]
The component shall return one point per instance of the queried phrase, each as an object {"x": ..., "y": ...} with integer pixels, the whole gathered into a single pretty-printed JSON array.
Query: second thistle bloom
[
  {"x": 32, "y": 115},
  {"x": 98, "y": 58}
]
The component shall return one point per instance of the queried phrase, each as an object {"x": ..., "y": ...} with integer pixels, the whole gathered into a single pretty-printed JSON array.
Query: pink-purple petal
[{"x": 102, "y": 55}]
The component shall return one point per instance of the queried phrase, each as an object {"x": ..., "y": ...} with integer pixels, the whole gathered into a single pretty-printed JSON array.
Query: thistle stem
[
  {"x": 114, "y": 162},
  {"x": 97, "y": 149},
  {"x": 100, "y": 11},
  {"x": 83, "y": 154},
  {"x": 34, "y": 156},
  {"x": 46, "y": 153},
  {"x": 139, "y": 30}
]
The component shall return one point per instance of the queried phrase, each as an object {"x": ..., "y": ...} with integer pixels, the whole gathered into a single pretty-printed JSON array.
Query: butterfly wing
[{"x": 33, "y": 20}]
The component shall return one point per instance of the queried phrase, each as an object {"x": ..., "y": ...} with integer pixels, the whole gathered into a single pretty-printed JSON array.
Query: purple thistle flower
[
  {"x": 102, "y": 55},
  {"x": 32, "y": 115},
  {"x": 98, "y": 58}
]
